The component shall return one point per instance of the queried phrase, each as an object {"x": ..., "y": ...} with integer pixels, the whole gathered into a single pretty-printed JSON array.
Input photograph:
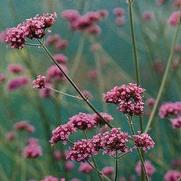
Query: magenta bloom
[
  {"x": 53, "y": 73},
  {"x": 120, "y": 21},
  {"x": 172, "y": 175},
  {"x": 62, "y": 133},
  {"x": 58, "y": 155},
  {"x": 17, "y": 83},
  {"x": 150, "y": 169},
  {"x": 144, "y": 141},
  {"x": 45, "y": 92},
  {"x": 70, "y": 15},
  {"x": 177, "y": 3},
  {"x": 127, "y": 97},
  {"x": 15, "y": 68},
  {"x": 85, "y": 168},
  {"x": 2, "y": 77},
  {"x": 33, "y": 149},
  {"x": 10, "y": 136},
  {"x": 150, "y": 102},
  {"x": 114, "y": 141},
  {"x": 170, "y": 109},
  {"x": 83, "y": 121},
  {"x": 176, "y": 122},
  {"x": 50, "y": 178},
  {"x": 81, "y": 151},
  {"x": 119, "y": 12},
  {"x": 107, "y": 117},
  {"x": 60, "y": 58},
  {"x": 24, "y": 126},
  {"x": 69, "y": 165},
  {"x": 39, "y": 82},
  {"x": 174, "y": 18},
  {"x": 108, "y": 171},
  {"x": 148, "y": 16},
  {"x": 31, "y": 28}
]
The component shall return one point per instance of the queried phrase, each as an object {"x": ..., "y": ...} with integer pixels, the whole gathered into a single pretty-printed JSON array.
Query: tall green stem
[
  {"x": 116, "y": 167},
  {"x": 163, "y": 82}
]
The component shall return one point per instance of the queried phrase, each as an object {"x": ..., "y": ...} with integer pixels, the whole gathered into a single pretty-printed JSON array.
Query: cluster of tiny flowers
[
  {"x": 87, "y": 22},
  {"x": 148, "y": 16},
  {"x": 114, "y": 141},
  {"x": 81, "y": 151},
  {"x": 108, "y": 171},
  {"x": 172, "y": 175},
  {"x": 17, "y": 83},
  {"x": 39, "y": 82},
  {"x": 170, "y": 109},
  {"x": 60, "y": 58},
  {"x": 50, "y": 178},
  {"x": 150, "y": 169},
  {"x": 24, "y": 126},
  {"x": 176, "y": 122},
  {"x": 107, "y": 117},
  {"x": 56, "y": 41},
  {"x": 127, "y": 97},
  {"x": 15, "y": 68},
  {"x": 85, "y": 168},
  {"x": 120, "y": 16},
  {"x": 143, "y": 141},
  {"x": 10, "y": 136},
  {"x": 69, "y": 165},
  {"x": 174, "y": 18},
  {"x": 33, "y": 149},
  {"x": 83, "y": 121},
  {"x": 62, "y": 133},
  {"x": 31, "y": 28}
]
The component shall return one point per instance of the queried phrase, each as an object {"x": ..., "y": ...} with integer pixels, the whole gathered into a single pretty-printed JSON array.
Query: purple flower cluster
[
  {"x": 39, "y": 82},
  {"x": 33, "y": 149},
  {"x": 172, "y": 175},
  {"x": 143, "y": 141},
  {"x": 176, "y": 122},
  {"x": 127, "y": 97},
  {"x": 31, "y": 28}
]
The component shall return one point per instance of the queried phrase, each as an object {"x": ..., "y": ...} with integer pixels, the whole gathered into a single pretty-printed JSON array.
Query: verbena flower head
[
  {"x": 60, "y": 58},
  {"x": 143, "y": 141},
  {"x": 172, "y": 175},
  {"x": 69, "y": 165},
  {"x": 31, "y": 28},
  {"x": 174, "y": 18},
  {"x": 10, "y": 136},
  {"x": 17, "y": 83},
  {"x": 148, "y": 16},
  {"x": 107, "y": 117},
  {"x": 85, "y": 168},
  {"x": 2, "y": 77},
  {"x": 170, "y": 109},
  {"x": 50, "y": 178},
  {"x": 24, "y": 126},
  {"x": 114, "y": 141},
  {"x": 33, "y": 149},
  {"x": 97, "y": 142},
  {"x": 39, "y": 82},
  {"x": 150, "y": 169},
  {"x": 15, "y": 68},
  {"x": 81, "y": 151},
  {"x": 176, "y": 122},
  {"x": 58, "y": 155},
  {"x": 127, "y": 97},
  {"x": 83, "y": 121},
  {"x": 177, "y": 3},
  {"x": 62, "y": 133},
  {"x": 108, "y": 171},
  {"x": 118, "y": 11}
]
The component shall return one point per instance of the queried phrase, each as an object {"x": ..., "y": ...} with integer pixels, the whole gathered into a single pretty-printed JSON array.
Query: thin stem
[
  {"x": 73, "y": 84},
  {"x": 116, "y": 167},
  {"x": 65, "y": 94},
  {"x": 163, "y": 82},
  {"x": 124, "y": 154},
  {"x": 138, "y": 150}
]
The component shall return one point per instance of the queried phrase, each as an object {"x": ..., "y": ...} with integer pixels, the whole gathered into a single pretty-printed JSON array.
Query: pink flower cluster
[
  {"x": 176, "y": 122},
  {"x": 150, "y": 169},
  {"x": 50, "y": 178},
  {"x": 87, "y": 22},
  {"x": 39, "y": 82},
  {"x": 85, "y": 168},
  {"x": 62, "y": 133},
  {"x": 174, "y": 18},
  {"x": 108, "y": 171},
  {"x": 83, "y": 121},
  {"x": 2, "y": 78},
  {"x": 17, "y": 83},
  {"x": 170, "y": 109},
  {"x": 120, "y": 16},
  {"x": 81, "y": 150},
  {"x": 15, "y": 68},
  {"x": 60, "y": 58},
  {"x": 107, "y": 117},
  {"x": 127, "y": 97},
  {"x": 148, "y": 16},
  {"x": 31, "y": 28},
  {"x": 24, "y": 126},
  {"x": 143, "y": 141},
  {"x": 56, "y": 41},
  {"x": 172, "y": 175},
  {"x": 33, "y": 149},
  {"x": 177, "y": 3}
]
